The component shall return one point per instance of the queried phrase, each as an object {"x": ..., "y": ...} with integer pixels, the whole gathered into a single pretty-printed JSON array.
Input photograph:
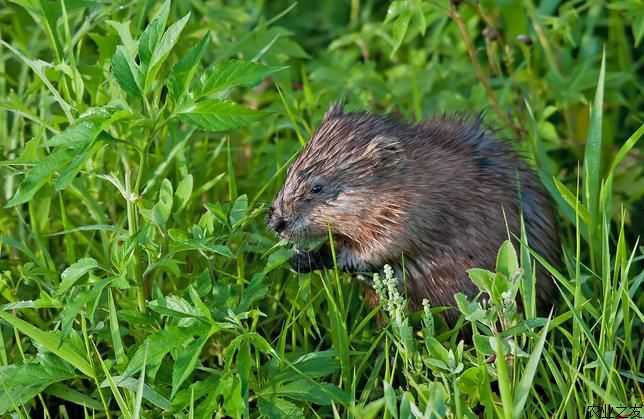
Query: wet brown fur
[{"x": 433, "y": 193}]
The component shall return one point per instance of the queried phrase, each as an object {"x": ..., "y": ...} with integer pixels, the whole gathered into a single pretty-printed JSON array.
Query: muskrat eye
[{"x": 316, "y": 188}]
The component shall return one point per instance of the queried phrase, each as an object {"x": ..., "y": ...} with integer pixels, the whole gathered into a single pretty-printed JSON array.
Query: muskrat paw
[{"x": 304, "y": 261}]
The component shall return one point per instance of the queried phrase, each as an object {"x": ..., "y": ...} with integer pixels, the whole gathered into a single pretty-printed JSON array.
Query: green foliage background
[{"x": 141, "y": 143}]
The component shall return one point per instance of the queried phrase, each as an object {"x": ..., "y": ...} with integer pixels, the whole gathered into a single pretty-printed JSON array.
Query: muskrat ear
[
  {"x": 384, "y": 150},
  {"x": 335, "y": 110}
]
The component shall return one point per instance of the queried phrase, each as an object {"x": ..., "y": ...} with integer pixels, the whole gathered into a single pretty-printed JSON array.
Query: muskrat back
[{"x": 437, "y": 194}]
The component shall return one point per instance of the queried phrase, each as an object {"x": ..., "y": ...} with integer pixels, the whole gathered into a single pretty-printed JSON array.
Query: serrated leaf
[
  {"x": 256, "y": 290},
  {"x": 22, "y": 382},
  {"x": 183, "y": 72},
  {"x": 218, "y": 115},
  {"x": 152, "y": 33},
  {"x": 174, "y": 306},
  {"x": 163, "y": 49},
  {"x": 123, "y": 30},
  {"x": 74, "y": 306},
  {"x": 29, "y": 153},
  {"x": 233, "y": 73},
  {"x": 39, "y": 175},
  {"x": 230, "y": 388},
  {"x": 74, "y": 272},
  {"x": 162, "y": 209},
  {"x": 186, "y": 362},
  {"x": 158, "y": 344},
  {"x": 220, "y": 249},
  {"x": 69, "y": 172},
  {"x": 126, "y": 72},
  {"x": 87, "y": 127}
]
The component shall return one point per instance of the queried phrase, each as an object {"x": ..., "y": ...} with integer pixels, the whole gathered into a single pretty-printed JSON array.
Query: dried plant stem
[{"x": 479, "y": 73}]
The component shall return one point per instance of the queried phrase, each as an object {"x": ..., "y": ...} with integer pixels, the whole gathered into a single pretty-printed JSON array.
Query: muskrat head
[{"x": 338, "y": 177}]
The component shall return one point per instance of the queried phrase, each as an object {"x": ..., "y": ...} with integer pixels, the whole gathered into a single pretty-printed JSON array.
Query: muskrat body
[{"x": 436, "y": 195}]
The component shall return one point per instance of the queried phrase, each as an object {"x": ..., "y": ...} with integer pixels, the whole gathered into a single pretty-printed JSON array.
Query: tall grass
[{"x": 141, "y": 142}]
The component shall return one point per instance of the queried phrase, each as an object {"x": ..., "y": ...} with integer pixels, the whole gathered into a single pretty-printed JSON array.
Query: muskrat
[{"x": 434, "y": 197}]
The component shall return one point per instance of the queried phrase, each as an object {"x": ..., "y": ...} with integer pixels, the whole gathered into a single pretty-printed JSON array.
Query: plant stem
[
  {"x": 479, "y": 73},
  {"x": 133, "y": 228}
]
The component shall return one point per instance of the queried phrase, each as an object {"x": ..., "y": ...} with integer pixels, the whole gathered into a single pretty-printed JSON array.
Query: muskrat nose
[{"x": 276, "y": 223}]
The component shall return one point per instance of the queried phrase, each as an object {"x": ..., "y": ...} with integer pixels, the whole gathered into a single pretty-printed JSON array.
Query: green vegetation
[{"x": 141, "y": 144}]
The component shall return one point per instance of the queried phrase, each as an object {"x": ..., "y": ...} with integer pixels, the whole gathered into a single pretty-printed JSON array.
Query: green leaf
[
  {"x": 276, "y": 408},
  {"x": 29, "y": 154},
  {"x": 303, "y": 389},
  {"x": 161, "y": 52},
  {"x": 233, "y": 73},
  {"x": 238, "y": 211},
  {"x": 123, "y": 30},
  {"x": 218, "y": 115},
  {"x": 527, "y": 376},
  {"x": 437, "y": 350},
  {"x": 592, "y": 153},
  {"x": 507, "y": 262},
  {"x": 52, "y": 342},
  {"x": 572, "y": 201},
  {"x": 183, "y": 72},
  {"x": 175, "y": 306},
  {"x": 230, "y": 388},
  {"x": 39, "y": 175},
  {"x": 126, "y": 72},
  {"x": 159, "y": 344},
  {"x": 638, "y": 28},
  {"x": 186, "y": 362},
  {"x": 87, "y": 127},
  {"x": 74, "y": 272},
  {"x": 69, "y": 172},
  {"x": 162, "y": 209},
  {"x": 313, "y": 365},
  {"x": 69, "y": 394},
  {"x": 182, "y": 194},
  {"x": 626, "y": 148},
  {"x": 390, "y": 399},
  {"x": 38, "y": 67},
  {"x": 256, "y": 290},
  {"x": 23, "y": 381},
  {"x": 117, "y": 342},
  {"x": 141, "y": 385},
  {"x": 482, "y": 278},
  {"x": 152, "y": 33},
  {"x": 149, "y": 393},
  {"x": 76, "y": 304}
]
